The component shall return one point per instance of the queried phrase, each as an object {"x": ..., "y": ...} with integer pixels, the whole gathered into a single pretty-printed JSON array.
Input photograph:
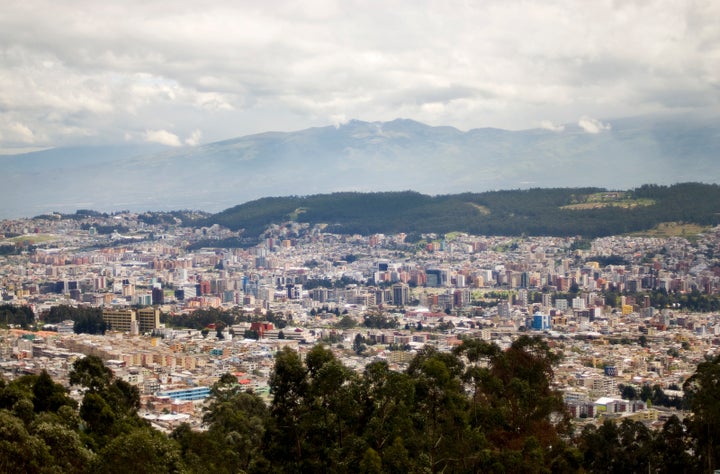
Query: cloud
[
  {"x": 20, "y": 133},
  {"x": 233, "y": 68},
  {"x": 548, "y": 125},
  {"x": 338, "y": 119},
  {"x": 194, "y": 138},
  {"x": 163, "y": 137},
  {"x": 591, "y": 125}
]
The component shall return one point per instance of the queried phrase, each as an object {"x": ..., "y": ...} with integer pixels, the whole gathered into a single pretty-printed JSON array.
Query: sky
[{"x": 87, "y": 72}]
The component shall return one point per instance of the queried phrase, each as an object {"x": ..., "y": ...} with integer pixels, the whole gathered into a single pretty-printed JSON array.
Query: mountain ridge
[
  {"x": 360, "y": 156},
  {"x": 588, "y": 212}
]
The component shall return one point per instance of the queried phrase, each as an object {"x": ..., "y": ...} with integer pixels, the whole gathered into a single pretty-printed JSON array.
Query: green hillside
[{"x": 589, "y": 212}]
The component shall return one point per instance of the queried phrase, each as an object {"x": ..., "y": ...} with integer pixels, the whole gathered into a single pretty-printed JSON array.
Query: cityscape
[
  {"x": 355, "y": 237},
  {"x": 603, "y": 304}
]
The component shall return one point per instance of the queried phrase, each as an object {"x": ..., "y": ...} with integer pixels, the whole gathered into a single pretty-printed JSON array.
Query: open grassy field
[
  {"x": 673, "y": 229},
  {"x": 31, "y": 239},
  {"x": 609, "y": 199}
]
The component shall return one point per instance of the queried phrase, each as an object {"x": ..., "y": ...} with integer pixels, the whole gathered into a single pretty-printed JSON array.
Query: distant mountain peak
[{"x": 358, "y": 155}]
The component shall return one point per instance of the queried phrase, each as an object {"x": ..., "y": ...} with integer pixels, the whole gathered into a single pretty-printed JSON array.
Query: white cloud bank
[
  {"x": 548, "y": 125},
  {"x": 162, "y": 137},
  {"x": 591, "y": 125},
  {"x": 97, "y": 71},
  {"x": 194, "y": 138}
]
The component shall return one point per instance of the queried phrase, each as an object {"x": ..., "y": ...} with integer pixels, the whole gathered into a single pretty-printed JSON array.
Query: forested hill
[{"x": 589, "y": 212}]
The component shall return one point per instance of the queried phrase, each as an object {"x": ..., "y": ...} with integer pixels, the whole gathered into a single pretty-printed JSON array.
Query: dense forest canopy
[{"x": 590, "y": 212}]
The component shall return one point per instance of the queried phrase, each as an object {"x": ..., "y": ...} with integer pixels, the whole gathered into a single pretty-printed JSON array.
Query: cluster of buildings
[{"x": 436, "y": 291}]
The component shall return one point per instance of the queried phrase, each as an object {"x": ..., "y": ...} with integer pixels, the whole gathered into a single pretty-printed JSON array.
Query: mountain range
[{"x": 359, "y": 156}]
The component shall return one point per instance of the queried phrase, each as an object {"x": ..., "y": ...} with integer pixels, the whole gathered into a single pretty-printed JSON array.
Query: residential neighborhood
[{"x": 366, "y": 298}]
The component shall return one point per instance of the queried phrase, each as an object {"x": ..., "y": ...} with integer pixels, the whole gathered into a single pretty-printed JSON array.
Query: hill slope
[{"x": 590, "y": 212}]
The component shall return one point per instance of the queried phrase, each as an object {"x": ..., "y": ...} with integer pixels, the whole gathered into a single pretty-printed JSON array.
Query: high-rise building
[
  {"x": 461, "y": 297},
  {"x": 436, "y": 277},
  {"x": 522, "y": 297},
  {"x": 127, "y": 320},
  {"x": 547, "y": 300},
  {"x": 158, "y": 296},
  {"x": 400, "y": 294},
  {"x": 504, "y": 309},
  {"x": 148, "y": 319}
]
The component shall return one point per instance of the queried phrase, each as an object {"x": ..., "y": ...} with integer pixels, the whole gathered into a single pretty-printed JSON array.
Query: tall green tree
[
  {"x": 236, "y": 421},
  {"x": 331, "y": 421},
  {"x": 109, "y": 405},
  {"x": 66, "y": 447},
  {"x": 702, "y": 391},
  {"x": 19, "y": 450},
  {"x": 288, "y": 385},
  {"x": 672, "y": 449},
  {"x": 441, "y": 409},
  {"x": 141, "y": 450},
  {"x": 91, "y": 373},
  {"x": 513, "y": 404},
  {"x": 48, "y": 395}
]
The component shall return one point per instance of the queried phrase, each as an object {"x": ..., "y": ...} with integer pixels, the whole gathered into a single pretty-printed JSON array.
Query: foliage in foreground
[{"x": 477, "y": 409}]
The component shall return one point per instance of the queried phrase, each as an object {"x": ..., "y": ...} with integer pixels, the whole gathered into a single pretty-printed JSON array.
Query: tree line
[
  {"x": 86, "y": 319},
  {"x": 476, "y": 409},
  {"x": 534, "y": 212},
  {"x": 11, "y": 315}
]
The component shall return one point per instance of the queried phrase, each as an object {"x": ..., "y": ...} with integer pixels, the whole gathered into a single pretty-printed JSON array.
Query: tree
[
  {"x": 237, "y": 422},
  {"x": 513, "y": 403},
  {"x": 22, "y": 316},
  {"x": 387, "y": 410},
  {"x": 91, "y": 373},
  {"x": 202, "y": 452},
  {"x": 646, "y": 393},
  {"x": 48, "y": 395},
  {"x": 378, "y": 320},
  {"x": 600, "y": 446},
  {"x": 702, "y": 390},
  {"x": 98, "y": 415},
  {"x": 109, "y": 406},
  {"x": 288, "y": 385},
  {"x": 628, "y": 392},
  {"x": 371, "y": 462},
  {"x": 141, "y": 450},
  {"x": 672, "y": 446},
  {"x": 332, "y": 412},
  {"x": 441, "y": 408},
  {"x": 347, "y": 322},
  {"x": 19, "y": 450},
  {"x": 69, "y": 453},
  {"x": 359, "y": 344}
]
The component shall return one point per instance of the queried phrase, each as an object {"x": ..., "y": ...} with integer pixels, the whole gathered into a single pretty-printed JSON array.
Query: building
[
  {"x": 436, "y": 277},
  {"x": 131, "y": 320},
  {"x": 158, "y": 296},
  {"x": 400, "y": 294},
  {"x": 148, "y": 319},
  {"x": 504, "y": 309},
  {"x": 540, "y": 322},
  {"x": 191, "y": 393}
]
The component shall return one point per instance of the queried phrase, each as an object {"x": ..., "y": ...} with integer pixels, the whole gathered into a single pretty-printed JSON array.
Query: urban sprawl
[{"x": 602, "y": 304}]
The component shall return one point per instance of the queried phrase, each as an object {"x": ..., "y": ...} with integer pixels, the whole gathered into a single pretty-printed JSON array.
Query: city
[{"x": 628, "y": 314}]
